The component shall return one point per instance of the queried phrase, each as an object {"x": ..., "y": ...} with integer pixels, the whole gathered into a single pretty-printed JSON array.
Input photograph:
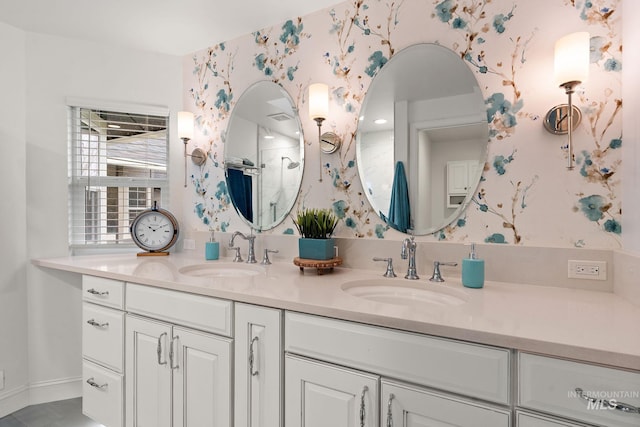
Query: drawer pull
[
  {"x": 98, "y": 293},
  {"x": 252, "y": 357},
  {"x": 363, "y": 411},
  {"x": 93, "y": 322},
  {"x": 619, "y": 406},
  {"x": 159, "y": 349},
  {"x": 91, "y": 381},
  {"x": 389, "y": 412}
]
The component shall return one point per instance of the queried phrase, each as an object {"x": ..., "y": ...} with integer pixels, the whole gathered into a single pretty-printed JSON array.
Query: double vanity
[{"x": 176, "y": 341}]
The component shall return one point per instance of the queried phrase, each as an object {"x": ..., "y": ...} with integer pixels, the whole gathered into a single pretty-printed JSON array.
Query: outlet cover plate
[{"x": 589, "y": 270}]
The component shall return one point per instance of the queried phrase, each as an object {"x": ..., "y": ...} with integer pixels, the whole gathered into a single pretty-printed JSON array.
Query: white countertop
[{"x": 589, "y": 326}]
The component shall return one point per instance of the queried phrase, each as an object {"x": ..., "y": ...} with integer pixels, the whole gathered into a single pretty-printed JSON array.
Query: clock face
[{"x": 154, "y": 231}]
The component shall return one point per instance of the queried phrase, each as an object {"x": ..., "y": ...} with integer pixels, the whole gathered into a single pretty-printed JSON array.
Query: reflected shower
[{"x": 292, "y": 164}]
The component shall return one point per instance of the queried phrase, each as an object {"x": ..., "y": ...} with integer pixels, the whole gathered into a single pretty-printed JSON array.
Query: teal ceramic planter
[{"x": 321, "y": 249}]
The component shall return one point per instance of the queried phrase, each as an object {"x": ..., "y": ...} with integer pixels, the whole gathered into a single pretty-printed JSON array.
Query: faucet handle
[
  {"x": 389, "y": 272},
  {"x": 237, "y": 257},
  {"x": 436, "y": 276},
  {"x": 265, "y": 258}
]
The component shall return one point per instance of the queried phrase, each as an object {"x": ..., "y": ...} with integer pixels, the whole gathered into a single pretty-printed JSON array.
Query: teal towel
[{"x": 399, "y": 209}]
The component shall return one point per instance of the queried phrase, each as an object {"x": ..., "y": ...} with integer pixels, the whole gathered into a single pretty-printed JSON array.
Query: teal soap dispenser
[
  {"x": 473, "y": 270},
  {"x": 212, "y": 248}
]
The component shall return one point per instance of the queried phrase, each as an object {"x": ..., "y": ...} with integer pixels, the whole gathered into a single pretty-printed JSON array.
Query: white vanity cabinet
[
  {"x": 590, "y": 394},
  {"x": 353, "y": 362},
  {"x": 176, "y": 375},
  {"x": 103, "y": 320},
  {"x": 258, "y": 356},
  {"x": 321, "y": 394}
]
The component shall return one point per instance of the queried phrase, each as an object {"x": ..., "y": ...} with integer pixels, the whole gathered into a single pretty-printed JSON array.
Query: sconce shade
[
  {"x": 571, "y": 62},
  {"x": 185, "y": 124},
  {"x": 318, "y": 101}
]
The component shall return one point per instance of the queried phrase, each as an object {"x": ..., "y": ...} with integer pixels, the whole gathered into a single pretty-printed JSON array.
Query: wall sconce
[
  {"x": 185, "y": 133},
  {"x": 571, "y": 67},
  {"x": 329, "y": 142}
]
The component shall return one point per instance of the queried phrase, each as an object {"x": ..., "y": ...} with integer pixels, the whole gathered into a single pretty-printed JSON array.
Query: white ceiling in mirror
[{"x": 433, "y": 76}]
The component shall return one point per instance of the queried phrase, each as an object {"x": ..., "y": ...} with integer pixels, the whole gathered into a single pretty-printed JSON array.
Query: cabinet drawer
[
  {"x": 530, "y": 420},
  {"x": 102, "y": 395},
  {"x": 550, "y": 385},
  {"x": 469, "y": 369},
  {"x": 195, "y": 311},
  {"x": 401, "y": 402},
  {"x": 103, "y": 291},
  {"x": 103, "y": 335}
]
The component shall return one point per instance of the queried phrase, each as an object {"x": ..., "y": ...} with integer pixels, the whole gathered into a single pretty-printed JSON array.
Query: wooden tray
[{"x": 320, "y": 265}]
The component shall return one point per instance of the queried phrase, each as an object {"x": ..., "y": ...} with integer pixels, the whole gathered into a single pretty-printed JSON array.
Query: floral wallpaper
[{"x": 526, "y": 196}]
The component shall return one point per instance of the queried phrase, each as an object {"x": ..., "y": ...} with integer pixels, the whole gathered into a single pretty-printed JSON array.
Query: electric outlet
[
  {"x": 1, "y": 379},
  {"x": 590, "y": 270}
]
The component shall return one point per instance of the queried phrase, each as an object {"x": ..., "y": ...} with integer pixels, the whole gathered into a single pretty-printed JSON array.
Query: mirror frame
[
  {"x": 259, "y": 167},
  {"x": 478, "y": 118}
]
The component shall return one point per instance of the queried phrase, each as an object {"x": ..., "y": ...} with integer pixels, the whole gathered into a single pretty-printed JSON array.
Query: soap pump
[
  {"x": 473, "y": 270},
  {"x": 212, "y": 248}
]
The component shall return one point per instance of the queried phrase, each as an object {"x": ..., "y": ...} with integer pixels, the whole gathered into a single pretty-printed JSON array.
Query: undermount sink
[
  {"x": 399, "y": 292},
  {"x": 221, "y": 269}
]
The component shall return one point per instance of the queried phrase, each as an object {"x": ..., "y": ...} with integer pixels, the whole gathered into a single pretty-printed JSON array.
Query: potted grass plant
[{"x": 316, "y": 227}]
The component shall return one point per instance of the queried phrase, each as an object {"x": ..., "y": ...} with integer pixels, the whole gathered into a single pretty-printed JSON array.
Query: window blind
[{"x": 117, "y": 168}]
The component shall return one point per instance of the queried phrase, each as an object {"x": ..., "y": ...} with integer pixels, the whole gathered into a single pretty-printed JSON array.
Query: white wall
[
  {"x": 631, "y": 127},
  {"x": 13, "y": 251},
  {"x": 57, "y": 68}
]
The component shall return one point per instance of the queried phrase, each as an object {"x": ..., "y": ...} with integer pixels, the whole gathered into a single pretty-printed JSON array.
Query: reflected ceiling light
[
  {"x": 380, "y": 121},
  {"x": 571, "y": 67},
  {"x": 185, "y": 133}
]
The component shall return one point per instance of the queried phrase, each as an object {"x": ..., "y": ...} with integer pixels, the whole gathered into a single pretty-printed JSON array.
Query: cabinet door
[
  {"x": 147, "y": 373},
  {"x": 406, "y": 406},
  {"x": 258, "y": 366},
  {"x": 201, "y": 365},
  {"x": 457, "y": 177},
  {"x": 321, "y": 395}
]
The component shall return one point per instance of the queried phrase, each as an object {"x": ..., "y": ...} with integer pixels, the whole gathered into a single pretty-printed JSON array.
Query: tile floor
[{"x": 64, "y": 413}]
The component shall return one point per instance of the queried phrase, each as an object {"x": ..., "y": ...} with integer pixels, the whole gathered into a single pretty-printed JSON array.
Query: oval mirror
[
  {"x": 422, "y": 139},
  {"x": 263, "y": 155}
]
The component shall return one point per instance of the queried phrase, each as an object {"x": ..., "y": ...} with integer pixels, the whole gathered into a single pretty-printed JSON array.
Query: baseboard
[
  {"x": 13, "y": 400},
  {"x": 39, "y": 392},
  {"x": 50, "y": 391}
]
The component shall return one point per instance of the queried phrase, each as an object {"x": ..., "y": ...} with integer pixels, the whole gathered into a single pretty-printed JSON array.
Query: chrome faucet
[
  {"x": 251, "y": 257},
  {"x": 409, "y": 251}
]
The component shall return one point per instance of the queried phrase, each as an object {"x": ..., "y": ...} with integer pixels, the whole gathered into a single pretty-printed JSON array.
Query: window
[{"x": 117, "y": 169}]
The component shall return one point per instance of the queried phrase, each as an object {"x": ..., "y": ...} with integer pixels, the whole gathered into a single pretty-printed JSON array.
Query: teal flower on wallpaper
[
  {"x": 291, "y": 34},
  {"x": 495, "y": 238},
  {"x": 458, "y": 23},
  {"x": 613, "y": 64},
  {"x": 340, "y": 209},
  {"x": 499, "y": 163},
  {"x": 376, "y": 61},
  {"x": 461, "y": 222},
  {"x": 612, "y": 226},
  {"x": 444, "y": 10},
  {"x": 500, "y": 20},
  {"x": 223, "y": 100},
  {"x": 288, "y": 231},
  {"x": 350, "y": 222},
  {"x": 380, "y": 230},
  {"x": 615, "y": 143},
  {"x": 594, "y": 206},
  {"x": 260, "y": 61},
  {"x": 290, "y": 73}
]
